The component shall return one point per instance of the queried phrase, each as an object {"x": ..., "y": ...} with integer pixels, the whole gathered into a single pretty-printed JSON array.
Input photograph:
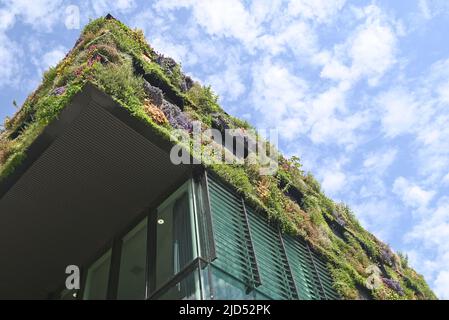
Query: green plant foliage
[
  {"x": 155, "y": 74},
  {"x": 11, "y": 164},
  {"x": 204, "y": 98},
  {"x": 120, "y": 82},
  {"x": 404, "y": 259},
  {"x": 310, "y": 180},
  {"x": 239, "y": 123}
]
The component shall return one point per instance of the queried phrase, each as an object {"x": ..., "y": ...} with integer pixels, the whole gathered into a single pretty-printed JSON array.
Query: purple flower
[
  {"x": 154, "y": 93},
  {"x": 394, "y": 285},
  {"x": 387, "y": 256},
  {"x": 58, "y": 91},
  {"x": 176, "y": 117},
  {"x": 338, "y": 218}
]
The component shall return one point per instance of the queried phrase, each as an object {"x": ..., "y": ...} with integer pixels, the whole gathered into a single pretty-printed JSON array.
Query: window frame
[
  {"x": 115, "y": 245},
  {"x": 152, "y": 289}
]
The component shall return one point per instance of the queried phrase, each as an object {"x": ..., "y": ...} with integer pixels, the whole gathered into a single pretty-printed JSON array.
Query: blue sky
[{"x": 358, "y": 89}]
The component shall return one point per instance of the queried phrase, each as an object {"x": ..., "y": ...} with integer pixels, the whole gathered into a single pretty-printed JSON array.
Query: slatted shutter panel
[
  {"x": 302, "y": 268},
  {"x": 327, "y": 291},
  {"x": 233, "y": 244},
  {"x": 309, "y": 271},
  {"x": 252, "y": 250},
  {"x": 277, "y": 281}
]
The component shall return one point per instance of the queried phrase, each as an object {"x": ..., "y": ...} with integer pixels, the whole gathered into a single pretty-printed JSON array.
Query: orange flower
[{"x": 155, "y": 113}]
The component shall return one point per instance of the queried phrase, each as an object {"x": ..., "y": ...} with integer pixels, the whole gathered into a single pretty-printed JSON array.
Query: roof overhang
[{"x": 92, "y": 172}]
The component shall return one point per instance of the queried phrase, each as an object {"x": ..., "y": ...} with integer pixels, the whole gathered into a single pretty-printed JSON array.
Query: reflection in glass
[
  {"x": 132, "y": 263},
  {"x": 97, "y": 278},
  {"x": 229, "y": 288},
  {"x": 176, "y": 246},
  {"x": 183, "y": 290},
  {"x": 68, "y": 294}
]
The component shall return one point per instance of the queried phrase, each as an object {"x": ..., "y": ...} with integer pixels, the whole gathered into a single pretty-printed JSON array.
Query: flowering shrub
[
  {"x": 58, "y": 91},
  {"x": 338, "y": 218},
  {"x": 78, "y": 71},
  {"x": 93, "y": 59},
  {"x": 263, "y": 189},
  {"x": 155, "y": 113},
  {"x": 176, "y": 117},
  {"x": 386, "y": 256},
  {"x": 5, "y": 149},
  {"x": 153, "y": 93},
  {"x": 394, "y": 285}
]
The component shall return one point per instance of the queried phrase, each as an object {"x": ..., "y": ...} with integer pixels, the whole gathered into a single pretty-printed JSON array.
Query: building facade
[
  {"x": 98, "y": 191},
  {"x": 204, "y": 242},
  {"x": 87, "y": 181}
]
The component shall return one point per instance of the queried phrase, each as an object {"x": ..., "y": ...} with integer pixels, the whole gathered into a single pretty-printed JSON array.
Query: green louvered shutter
[
  {"x": 324, "y": 279},
  {"x": 233, "y": 244},
  {"x": 302, "y": 268},
  {"x": 311, "y": 276},
  {"x": 277, "y": 281}
]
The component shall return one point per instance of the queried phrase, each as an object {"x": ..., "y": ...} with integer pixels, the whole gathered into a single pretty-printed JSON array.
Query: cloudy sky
[{"x": 358, "y": 89}]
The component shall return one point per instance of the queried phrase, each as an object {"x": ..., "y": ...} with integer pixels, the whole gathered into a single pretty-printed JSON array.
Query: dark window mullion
[
  {"x": 114, "y": 269},
  {"x": 151, "y": 252},
  {"x": 147, "y": 255},
  {"x": 208, "y": 219}
]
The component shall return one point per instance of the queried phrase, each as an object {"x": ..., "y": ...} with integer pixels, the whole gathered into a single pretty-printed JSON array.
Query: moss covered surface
[{"x": 119, "y": 61}]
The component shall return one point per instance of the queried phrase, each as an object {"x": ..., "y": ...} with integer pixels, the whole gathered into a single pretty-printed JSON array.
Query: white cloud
[
  {"x": 37, "y": 13},
  {"x": 446, "y": 179},
  {"x": 333, "y": 182},
  {"x": 101, "y": 7},
  {"x": 372, "y": 186},
  {"x": 318, "y": 10},
  {"x": 228, "y": 83},
  {"x": 297, "y": 36},
  {"x": 429, "y": 235},
  {"x": 379, "y": 214},
  {"x": 9, "y": 61},
  {"x": 371, "y": 50},
  {"x": 399, "y": 112},
  {"x": 340, "y": 130},
  {"x": 380, "y": 161},
  {"x": 425, "y": 10},
  {"x": 178, "y": 52},
  {"x": 367, "y": 53},
  {"x": 421, "y": 112},
  {"x": 273, "y": 30},
  {"x": 265, "y": 11},
  {"x": 411, "y": 194},
  {"x": 52, "y": 57},
  {"x": 442, "y": 284},
  {"x": 6, "y": 19},
  {"x": 278, "y": 95},
  {"x": 223, "y": 18},
  {"x": 430, "y": 9}
]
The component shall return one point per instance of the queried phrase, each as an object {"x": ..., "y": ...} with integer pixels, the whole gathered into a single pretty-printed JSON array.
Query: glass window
[
  {"x": 133, "y": 263},
  {"x": 226, "y": 287},
  {"x": 176, "y": 245},
  {"x": 67, "y": 294},
  {"x": 184, "y": 289},
  {"x": 97, "y": 278}
]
